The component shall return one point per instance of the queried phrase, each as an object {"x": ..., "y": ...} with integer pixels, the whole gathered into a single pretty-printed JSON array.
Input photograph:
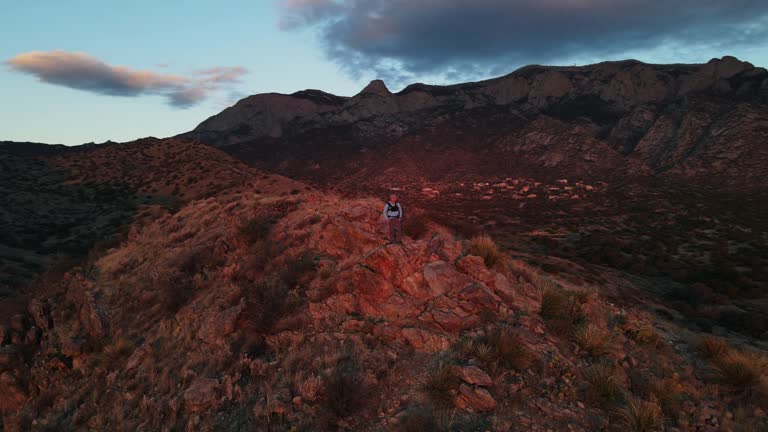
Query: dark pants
[{"x": 395, "y": 229}]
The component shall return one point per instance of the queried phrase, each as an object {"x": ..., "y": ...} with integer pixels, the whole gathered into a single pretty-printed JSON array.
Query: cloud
[
  {"x": 406, "y": 38},
  {"x": 82, "y": 71}
]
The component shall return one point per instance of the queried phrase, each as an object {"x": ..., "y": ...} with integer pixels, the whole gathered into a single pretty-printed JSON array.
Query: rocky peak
[{"x": 376, "y": 87}]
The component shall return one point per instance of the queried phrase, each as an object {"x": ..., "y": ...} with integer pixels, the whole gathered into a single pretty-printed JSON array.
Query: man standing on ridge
[{"x": 393, "y": 213}]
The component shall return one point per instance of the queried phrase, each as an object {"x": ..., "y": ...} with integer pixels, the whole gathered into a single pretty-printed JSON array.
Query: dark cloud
[
  {"x": 84, "y": 72},
  {"x": 402, "y": 38}
]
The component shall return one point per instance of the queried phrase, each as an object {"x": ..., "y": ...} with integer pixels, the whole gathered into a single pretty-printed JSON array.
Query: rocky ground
[{"x": 266, "y": 305}]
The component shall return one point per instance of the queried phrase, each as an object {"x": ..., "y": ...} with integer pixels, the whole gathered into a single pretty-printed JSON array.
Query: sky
[{"x": 89, "y": 71}]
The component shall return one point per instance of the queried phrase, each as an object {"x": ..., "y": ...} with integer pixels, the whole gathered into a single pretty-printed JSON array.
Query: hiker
[{"x": 393, "y": 213}]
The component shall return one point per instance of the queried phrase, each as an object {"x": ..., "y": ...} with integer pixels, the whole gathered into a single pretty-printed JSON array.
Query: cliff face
[{"x": 617, "y": 117}]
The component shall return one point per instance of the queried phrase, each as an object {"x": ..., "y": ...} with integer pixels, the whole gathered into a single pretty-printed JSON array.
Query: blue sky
[
  {"x": 180, "y": 36},
  {"x": 333, "y": 45}
]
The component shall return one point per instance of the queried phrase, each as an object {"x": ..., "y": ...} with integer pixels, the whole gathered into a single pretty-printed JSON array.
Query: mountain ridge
[{"x": 686, "y": 121}]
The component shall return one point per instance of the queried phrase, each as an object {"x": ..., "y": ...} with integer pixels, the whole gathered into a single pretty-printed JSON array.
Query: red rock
[
  {"x": 426, "y": 341},
  {"x": 202, "y": 394},
  {"x": 473, "y": 375},
  {"x": 479, "y": 399},
  {"x": 441, "y": 277},
  {"x": 476, "y": 296}
]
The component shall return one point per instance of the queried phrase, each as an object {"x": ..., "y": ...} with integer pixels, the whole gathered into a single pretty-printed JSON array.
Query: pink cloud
[{"x": 82, "y": 71}]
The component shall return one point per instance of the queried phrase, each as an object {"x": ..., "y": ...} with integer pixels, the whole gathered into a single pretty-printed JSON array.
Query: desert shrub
[
  {"x": 638, "y": 415},
  {"x": 269, "y": 301},
  {"x": 257, "y": 228},
  {"x": 344, "y": 390},
  {"x": 560, "y": 310},
  {"x": 440, "y": 385},
  {"x": 711, "y": 347},
  {"x": 259, "y": 255},
  {"x": 484, "y": 247},
  {"x": 469, "y": 422},
  {"x": 173, "y": 290},
  {"x": 604, "y": 386},
  {"x": 294, "y": 267},
  {"x": 592, "y": 338},
  {"x": 744, "y": 372},
  {"x": 554, "y": 303},
  {"x": 418, "y": 419},
  {"x": 417, "y": 226}
]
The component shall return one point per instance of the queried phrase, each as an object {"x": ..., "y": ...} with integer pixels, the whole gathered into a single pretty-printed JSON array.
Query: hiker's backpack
[{"x": 393, "y": 210}]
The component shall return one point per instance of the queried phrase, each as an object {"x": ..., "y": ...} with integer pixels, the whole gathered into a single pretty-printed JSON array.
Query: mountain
[
  {"x": 238, "y": 299},
  {"x": 614, "y": 119}
]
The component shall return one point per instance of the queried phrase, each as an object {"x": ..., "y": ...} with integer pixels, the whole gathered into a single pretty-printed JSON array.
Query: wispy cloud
[
  {"x": 411, "y": 38},
  {"x": 82, "y": 71}
]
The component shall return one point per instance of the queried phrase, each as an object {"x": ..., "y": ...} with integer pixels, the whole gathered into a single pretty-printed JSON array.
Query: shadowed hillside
[{"x": 261, "y": 304}]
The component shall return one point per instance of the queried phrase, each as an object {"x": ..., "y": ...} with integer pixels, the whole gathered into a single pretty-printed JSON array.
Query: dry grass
[
  {"x": 604, "y": 386},
  {"x": 638, "y": 415},
  {"x": 744, "y": 372},
  {"x": 561, "y": 310},
  {"x": 668, "y": 394},
  {"x": 648, "y": 336},
  {"x": 593, "y": 339},
  {"x": 712, "y": 347},
  {"x": 554, "y": 303},
  {"x": 309, "y": 387},
  {"x": 507, "y": 350},
  {"x": 484, "y": 247}
]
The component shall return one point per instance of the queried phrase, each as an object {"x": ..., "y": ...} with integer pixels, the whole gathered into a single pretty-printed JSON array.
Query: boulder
[
  {"x": 476, "y": 399},
  {"x": 473, "y": 375}
]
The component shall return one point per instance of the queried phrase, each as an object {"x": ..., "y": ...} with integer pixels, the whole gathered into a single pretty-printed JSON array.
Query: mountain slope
[{"x": 265, "y": 305}]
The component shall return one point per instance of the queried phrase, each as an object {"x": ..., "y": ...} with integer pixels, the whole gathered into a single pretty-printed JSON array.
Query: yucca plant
[{"x": 440, "y": 385}]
